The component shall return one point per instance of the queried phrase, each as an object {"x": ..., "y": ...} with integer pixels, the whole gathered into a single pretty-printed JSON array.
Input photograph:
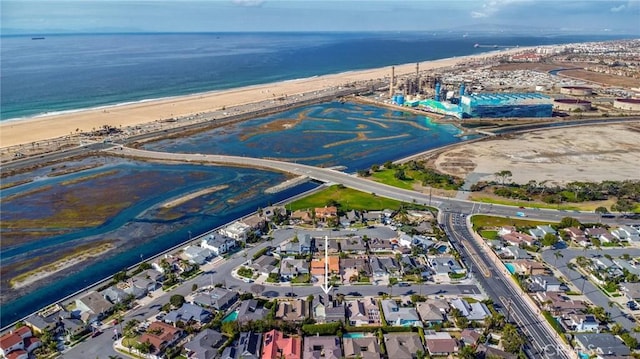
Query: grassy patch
[
  {"x": 347, "y": 198},
  {"x": 585, "y": 206},
  {"x": 388, "y": 177},
  {"x": 487, "y": 234},
  {"x": 245, "y": 272},
  {"x": 482, "y": 221},
  {"x": 302, "y": 278}
]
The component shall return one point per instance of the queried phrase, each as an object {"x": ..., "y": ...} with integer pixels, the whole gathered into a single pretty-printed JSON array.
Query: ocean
[{"x": 73, "y": 72}]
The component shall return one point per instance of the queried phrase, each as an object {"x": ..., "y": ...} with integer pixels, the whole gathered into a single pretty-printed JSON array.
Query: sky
[{"x": 51, "y": 16}]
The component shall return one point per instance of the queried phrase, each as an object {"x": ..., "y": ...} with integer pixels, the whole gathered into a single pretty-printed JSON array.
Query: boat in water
[{"x": 38, "y": 38}]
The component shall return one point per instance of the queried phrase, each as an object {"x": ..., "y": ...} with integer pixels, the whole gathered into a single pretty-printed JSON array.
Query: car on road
[
  {"x": 632, "y": 305},
  {"x": 403, "y": 284},
  {"x": 355, "y": 294},
  {"x": 290, "y": 294},
  {"x": 521, "y": 214},
  {"x": 382, "y": 293}
]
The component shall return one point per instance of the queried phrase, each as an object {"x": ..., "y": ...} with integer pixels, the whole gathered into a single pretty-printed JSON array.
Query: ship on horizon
[{"x": 38, "y": 38}]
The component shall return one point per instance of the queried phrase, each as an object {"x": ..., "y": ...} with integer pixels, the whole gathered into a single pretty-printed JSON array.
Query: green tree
[
  {"x": 623, "y": 205},
  {"x": 177, "y": 300},
  {"x": 557, "y": 255},
  {"x": 120, "y": 276},
  {"x": 512, "y": 341},
  {"x": 549, "y": 239},
  {"x": 467, "y": 352},
  {"x": 567, "y": 222},
  {"x": 617, "y": 329},
  {"x": 629, "y": 340},
  {"x": 363, "y": 173},
  {"x": 129, "y": 328},
  {"x": 503, "y": 175},
  {"x": 400, "y": 174},
  {"x": 602, "y": 210},
  {"x": 144, "y": 347}
]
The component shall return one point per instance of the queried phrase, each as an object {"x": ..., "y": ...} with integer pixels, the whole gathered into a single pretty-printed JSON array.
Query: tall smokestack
[
  {"x": 417, "y": 77},
  {"x": 392, "y": 80}
]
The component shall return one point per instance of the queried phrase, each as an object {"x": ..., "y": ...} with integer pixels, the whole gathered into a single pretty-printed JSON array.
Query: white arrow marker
[{"x": 326, "y": 288}]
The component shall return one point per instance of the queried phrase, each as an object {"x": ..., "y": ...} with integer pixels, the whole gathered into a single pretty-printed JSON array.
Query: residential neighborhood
[
  {"x": 219, "y": 321},
  {"x": 542, "y": 259}
]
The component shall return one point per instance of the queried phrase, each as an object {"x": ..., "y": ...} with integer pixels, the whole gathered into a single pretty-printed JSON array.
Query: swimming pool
[
  {"x": 353, "y": 335},
  {"x": 231, "y": 317},
  {"x": 510, "y": 267}
]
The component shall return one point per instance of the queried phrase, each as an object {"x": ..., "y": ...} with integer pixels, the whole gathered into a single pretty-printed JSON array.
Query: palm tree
[
  {"x": 557, "y": 254},
  {"x": 467, "y": 352},
  {"x": 584, "y": 280}
]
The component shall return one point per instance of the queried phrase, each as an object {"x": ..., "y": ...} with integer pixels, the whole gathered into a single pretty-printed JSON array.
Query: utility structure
[
  {"x": 392, "y": 81},
  {"x": 418, "y": 78}
]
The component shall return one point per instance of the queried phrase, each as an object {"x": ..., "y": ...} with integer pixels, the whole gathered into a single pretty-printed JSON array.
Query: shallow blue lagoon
[
  {"x": 330, "y": 134},
  {"x": 141, "y": 228}
]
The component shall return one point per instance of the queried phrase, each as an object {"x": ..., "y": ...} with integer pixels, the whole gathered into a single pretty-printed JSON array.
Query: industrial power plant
[{"x": 483, "y": 105}]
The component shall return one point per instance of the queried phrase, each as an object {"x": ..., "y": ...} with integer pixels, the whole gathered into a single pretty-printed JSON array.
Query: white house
[
  {"x": 236, "y": 230},
  {"x": 218, "y": 244},
  {"x": 626, "y": 233},
  {"x": 582, "y": 323}
]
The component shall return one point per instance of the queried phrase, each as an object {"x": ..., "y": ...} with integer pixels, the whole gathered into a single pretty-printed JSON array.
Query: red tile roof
[{"x": 8, "y": 340}]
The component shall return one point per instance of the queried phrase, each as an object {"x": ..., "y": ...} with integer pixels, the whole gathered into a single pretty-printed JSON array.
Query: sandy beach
[{"x": 27, "y": 131}]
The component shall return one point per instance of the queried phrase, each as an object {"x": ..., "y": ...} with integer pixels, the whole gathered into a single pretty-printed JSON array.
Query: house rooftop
[{"x": 604, "y": 343}]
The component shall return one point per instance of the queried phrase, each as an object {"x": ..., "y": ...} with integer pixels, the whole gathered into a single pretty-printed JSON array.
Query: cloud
[
  {"x": 490, "y": 7},
  {"x": 618, "y": 8},
  {"x": 248, "y": 3}
]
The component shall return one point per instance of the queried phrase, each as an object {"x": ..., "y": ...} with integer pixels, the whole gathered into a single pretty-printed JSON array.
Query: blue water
[
  {"x": 353, "y": 335},
  {"x": 510, "y": 267},
  {"x": 231, "y": 317},
  {"x": 70, "y": 72},
  {"x": 206, "y": 218},
  {"x": 326, "y": 135}
]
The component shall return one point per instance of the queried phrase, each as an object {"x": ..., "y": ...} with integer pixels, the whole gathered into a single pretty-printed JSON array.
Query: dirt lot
[
  {"x": 603, "y": 79},
  {"x": 534, "y": 66},
  {"x": 589, "y": 153}
]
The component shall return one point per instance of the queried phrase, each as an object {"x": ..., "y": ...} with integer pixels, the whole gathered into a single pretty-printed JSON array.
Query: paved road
[
  {"x": 500, "y": 288},
  {"x": 595, "y": 295},
  {"x": 220, "y": 272},
  {"x": 327, "y": 175}
]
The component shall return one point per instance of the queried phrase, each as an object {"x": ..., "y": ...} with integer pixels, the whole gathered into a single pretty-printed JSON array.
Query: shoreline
[
  {"x": 15, "y": 132},
  {"x": 56, "y": 267},
  {"x": 178, "y": 201}
]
